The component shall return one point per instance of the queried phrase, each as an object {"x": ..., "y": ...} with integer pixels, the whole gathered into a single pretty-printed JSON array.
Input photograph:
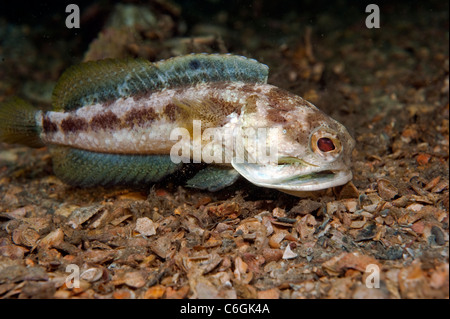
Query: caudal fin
[{"x": 18, "y": 123}]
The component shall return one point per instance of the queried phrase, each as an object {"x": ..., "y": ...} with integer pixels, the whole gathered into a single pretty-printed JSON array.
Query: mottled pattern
[
  {"x": 142, "y": 124},
  {"x": 122, "y": 111},
  {"x": 283, "y": 100}
]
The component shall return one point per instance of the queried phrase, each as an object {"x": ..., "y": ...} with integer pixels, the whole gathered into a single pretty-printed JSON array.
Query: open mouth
[
  {"x": 300, "y": 179},
  {"x": 286, "y": 176}
]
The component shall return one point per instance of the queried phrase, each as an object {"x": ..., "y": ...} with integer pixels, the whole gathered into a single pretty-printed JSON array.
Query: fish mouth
[{"x": 288, "y": 177}]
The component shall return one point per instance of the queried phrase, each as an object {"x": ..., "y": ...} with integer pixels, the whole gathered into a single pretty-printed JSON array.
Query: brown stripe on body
[
  {"x": 48, "y": 126},
  {"x": 142, "y": 123},
  {"x": 73, "y": 124},
  {"x": 171, "y": 111},
  {"x": 106, "y": 121},
  {"x": 140, "y": 117}
]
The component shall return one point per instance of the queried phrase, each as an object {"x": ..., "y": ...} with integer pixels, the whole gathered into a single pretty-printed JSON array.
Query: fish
[{"x": 113, "y": 121}]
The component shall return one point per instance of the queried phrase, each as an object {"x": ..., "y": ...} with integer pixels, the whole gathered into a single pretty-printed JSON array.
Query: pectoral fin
[{"x": 213, "y": 178}]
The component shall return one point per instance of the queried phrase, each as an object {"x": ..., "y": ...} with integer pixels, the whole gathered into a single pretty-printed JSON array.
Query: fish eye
[{"x": 326, "y": 143}]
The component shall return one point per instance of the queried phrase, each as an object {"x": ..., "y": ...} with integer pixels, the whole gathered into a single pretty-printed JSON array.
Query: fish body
[{"x": 113, "y": 122}]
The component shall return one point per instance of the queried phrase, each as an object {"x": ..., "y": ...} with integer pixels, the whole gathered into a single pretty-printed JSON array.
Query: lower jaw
[{"x": 317, "y": 181}]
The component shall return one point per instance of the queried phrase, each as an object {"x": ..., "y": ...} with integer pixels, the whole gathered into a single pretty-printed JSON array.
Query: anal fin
[{"x": 85, "y": 168}]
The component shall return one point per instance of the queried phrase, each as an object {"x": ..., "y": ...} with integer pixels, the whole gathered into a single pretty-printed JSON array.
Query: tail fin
[{"x": 18, "y": 123}]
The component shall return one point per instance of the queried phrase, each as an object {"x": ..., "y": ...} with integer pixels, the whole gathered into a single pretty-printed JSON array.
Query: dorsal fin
[{"x": 99, "y": 81}]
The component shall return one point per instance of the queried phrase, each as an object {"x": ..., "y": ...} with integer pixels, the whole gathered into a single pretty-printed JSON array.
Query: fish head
[{"x": 312, "y": 150}]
